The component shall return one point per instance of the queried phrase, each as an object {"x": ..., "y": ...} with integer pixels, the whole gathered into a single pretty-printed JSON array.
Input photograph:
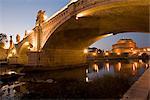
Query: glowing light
[
  {"x": 95, "y": 66},
  {"x": 119, "y": 66},
  {"x": 107, "y": 67},
  {"x": 144, "y": 49},
  {"x": 147, "y": 65},
  {"x": 106, "y": 53},
  {"x": 135, "y": 64},
  {"x": 133, "y": 68},
  {"x": 12, "y": 72},
  {"x": 94, "y": 54},
  {"x": 148, "y": 49},
  {"x": 79, "y": 15},
  {"x": 134, "y": 52},
  {"x": 140, "y": 61},
  {"x": 87, "y": 79},
  {"x": 131, "y": 49},
  {"x": 118, "y": 53},
  {"x": 85, "y": 51},
  {"x": 86, "y": 70}
]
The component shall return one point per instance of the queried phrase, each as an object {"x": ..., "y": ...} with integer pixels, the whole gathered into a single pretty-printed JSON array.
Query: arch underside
[{"x": 79, "y": 34}]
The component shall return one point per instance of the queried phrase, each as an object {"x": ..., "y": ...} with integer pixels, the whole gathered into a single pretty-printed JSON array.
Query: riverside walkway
[{"x": 140, "y": 90}]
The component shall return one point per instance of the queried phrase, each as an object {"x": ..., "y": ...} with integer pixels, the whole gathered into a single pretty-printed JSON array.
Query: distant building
[
  {"x": 124, "y": 46},
  {"x": 128, "y": 46}
]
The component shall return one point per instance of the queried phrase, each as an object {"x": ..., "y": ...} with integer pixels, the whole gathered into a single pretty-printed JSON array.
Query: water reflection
[
  {"x": 95, "y": 67},
  {"x": 95, "y": 78},
  {"x": 125, "y": 68},
  {"x": 119, "y": 66},
  {"x": 107, "y": 67}
]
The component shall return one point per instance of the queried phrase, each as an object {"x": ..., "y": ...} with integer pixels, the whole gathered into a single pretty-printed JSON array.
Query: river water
[{"x": 98, "y": 80}]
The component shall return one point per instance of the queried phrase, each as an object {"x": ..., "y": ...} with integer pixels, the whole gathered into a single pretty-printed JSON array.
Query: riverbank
[{"x": 140, "y": 90}]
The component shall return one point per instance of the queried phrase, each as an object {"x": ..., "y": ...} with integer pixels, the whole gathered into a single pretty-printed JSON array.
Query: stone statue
[
  {"x": 40, "y": 17},
  {"x": 18, "y": 38},
  {"x": 11, "y": 43},
  {"x": 26, "y": 33}
]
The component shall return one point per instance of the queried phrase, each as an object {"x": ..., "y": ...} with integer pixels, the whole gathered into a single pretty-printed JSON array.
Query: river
[{"x": 98, "y": 80}]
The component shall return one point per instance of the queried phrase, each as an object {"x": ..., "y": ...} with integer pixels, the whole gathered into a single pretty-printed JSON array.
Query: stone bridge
[{"x": 61, "y": 39}]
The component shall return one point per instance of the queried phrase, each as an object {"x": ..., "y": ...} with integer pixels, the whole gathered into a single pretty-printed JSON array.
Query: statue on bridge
[
  {"x": 40, "y": 17},
  {"x": 18, "y": 38}
]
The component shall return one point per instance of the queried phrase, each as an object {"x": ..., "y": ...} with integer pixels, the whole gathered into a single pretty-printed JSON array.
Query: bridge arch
[
  {"x": 22, "y": 52},
  {"x": 88, "y": 23}
]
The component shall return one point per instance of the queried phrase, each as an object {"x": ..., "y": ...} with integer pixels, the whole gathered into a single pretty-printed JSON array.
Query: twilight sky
[{"x": 16, "y": 16}]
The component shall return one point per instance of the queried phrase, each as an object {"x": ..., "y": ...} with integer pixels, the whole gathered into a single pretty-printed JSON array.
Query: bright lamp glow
[
  {"x": 106, "y": 53},
  {"x": 85, "y": 51},
  {"x": 12, "y": 72},
  {"x": 118, "y": 53}
]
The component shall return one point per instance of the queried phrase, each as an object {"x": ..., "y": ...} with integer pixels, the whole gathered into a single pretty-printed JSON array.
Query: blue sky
[{"x": 16, "y": 16}]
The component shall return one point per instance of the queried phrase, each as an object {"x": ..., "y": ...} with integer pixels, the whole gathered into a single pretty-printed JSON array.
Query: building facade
[
  {"x": 124, "y": 46},
  {"x": 128, "y": 46}
]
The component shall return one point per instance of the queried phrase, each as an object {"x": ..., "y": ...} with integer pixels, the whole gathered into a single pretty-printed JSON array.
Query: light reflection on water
[{"x": 131, "y": 70}]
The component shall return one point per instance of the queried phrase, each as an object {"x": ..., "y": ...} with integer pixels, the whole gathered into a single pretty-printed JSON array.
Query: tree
[{"x": 3, "y": 40}]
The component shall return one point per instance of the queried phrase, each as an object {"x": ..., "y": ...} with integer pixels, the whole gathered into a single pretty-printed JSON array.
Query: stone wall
[
  {"x": 3, "y": 54},
  {"x": 53, "y": 58}
]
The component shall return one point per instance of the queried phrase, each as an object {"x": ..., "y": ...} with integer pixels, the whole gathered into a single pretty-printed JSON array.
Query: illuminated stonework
[
  {"x": 128, "y": 46},
  {"x": 61, "y": 38},
  {"x": 124, "y": 46}
]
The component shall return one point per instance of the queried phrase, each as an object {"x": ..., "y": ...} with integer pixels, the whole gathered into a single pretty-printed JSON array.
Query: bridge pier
[{"x": 57, "y": 57}]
